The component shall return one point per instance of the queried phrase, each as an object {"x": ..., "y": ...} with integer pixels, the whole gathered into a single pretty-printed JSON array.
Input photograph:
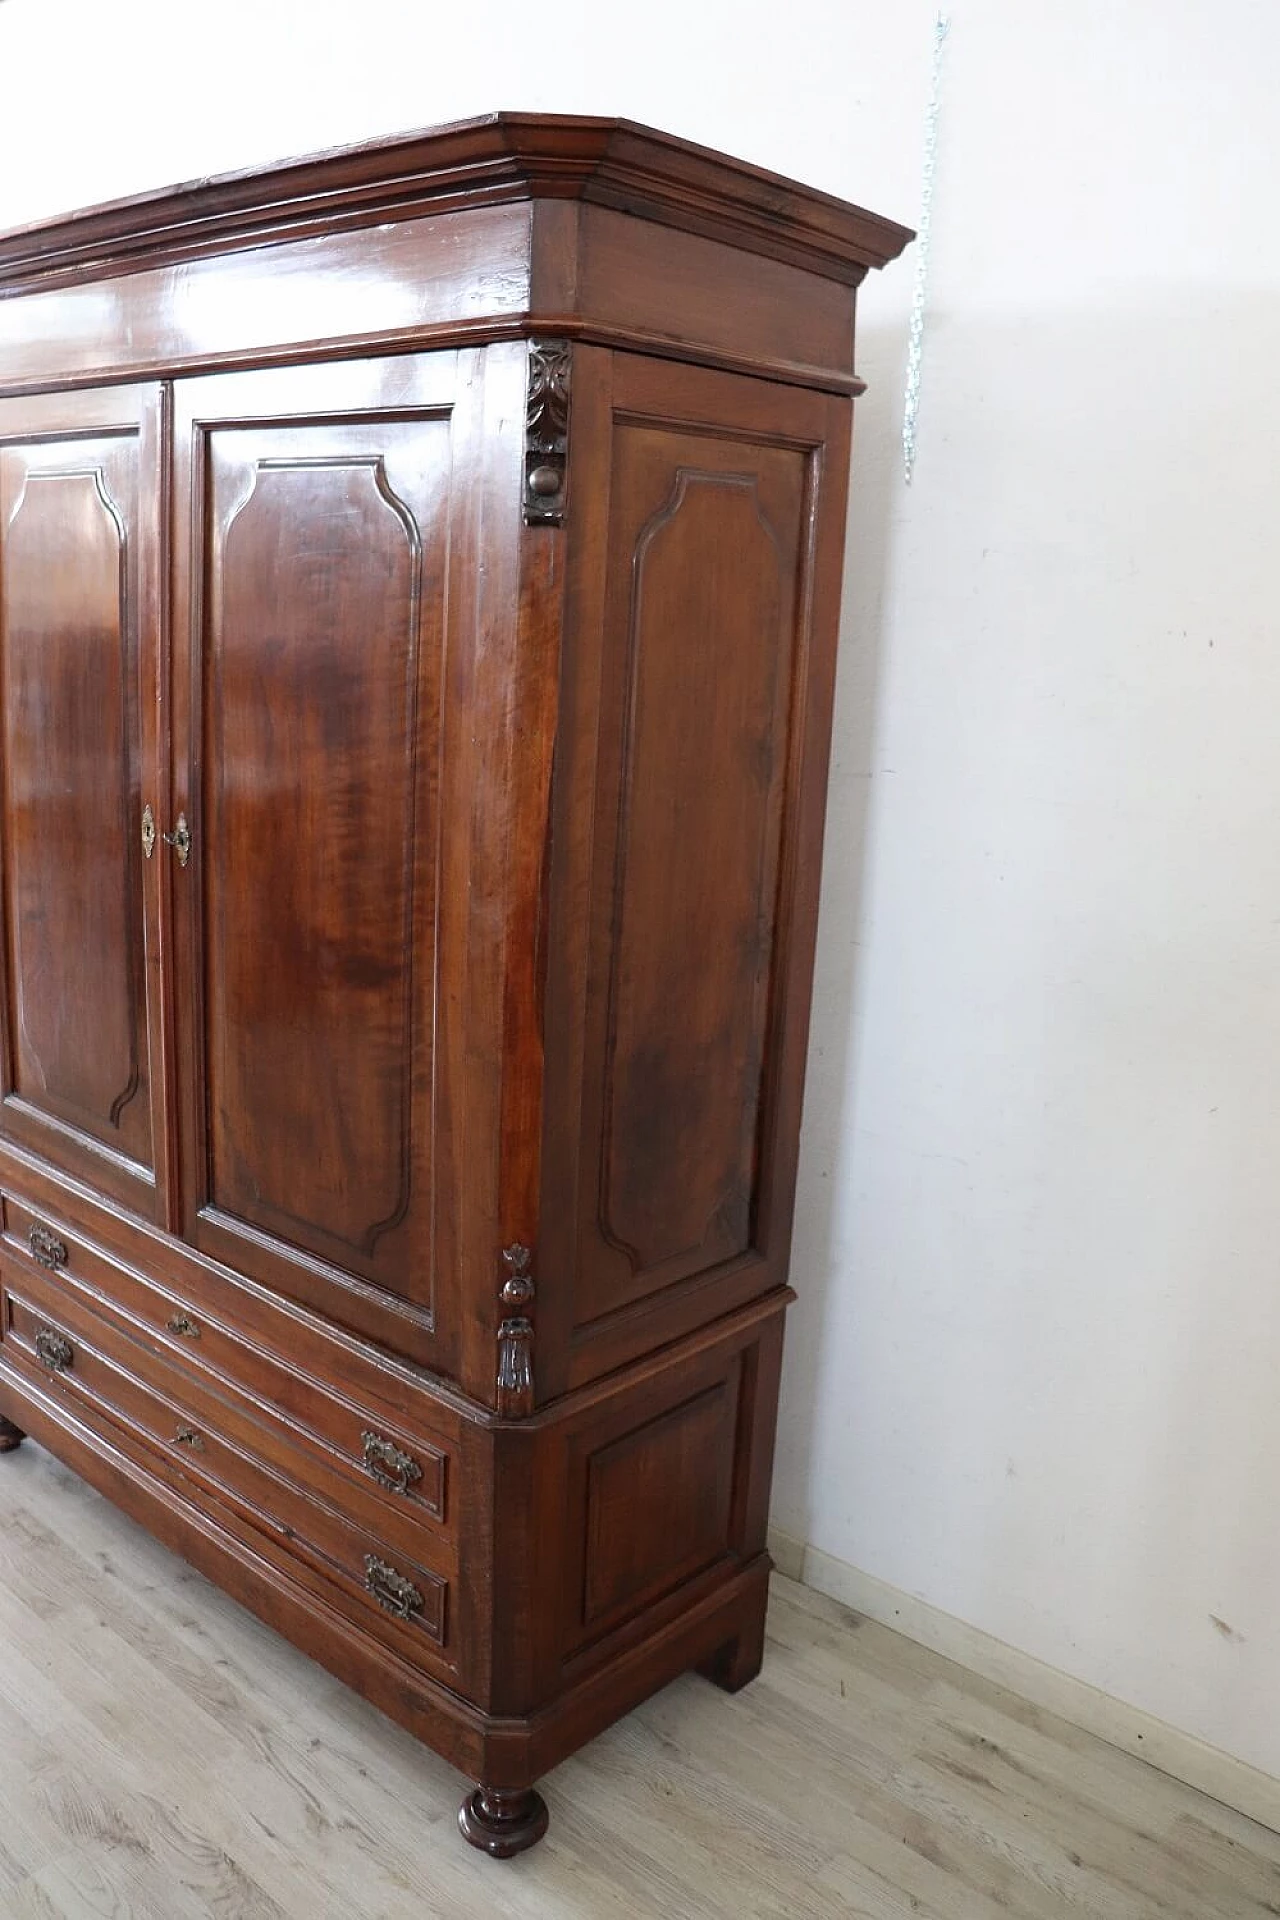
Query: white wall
[{"x": 1035, "y": 1373}]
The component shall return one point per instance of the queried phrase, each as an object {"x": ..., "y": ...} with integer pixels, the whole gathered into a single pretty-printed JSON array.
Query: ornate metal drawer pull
[
  {"x": 390, "y": 1589},
  {"x": 46, "y": 1247},
  {"x": 183, "y": 1323},
  {"x": 389, "y": 1466},
  {"x": 189, "y": 1437},
  {"x": 53, "y": 1351},
  {"x": 148, "y": 832},
  {"x": 180, "y": 840}
]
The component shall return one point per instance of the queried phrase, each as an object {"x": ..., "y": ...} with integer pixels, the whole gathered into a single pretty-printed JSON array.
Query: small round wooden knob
[{"x": 544, "y": 481}]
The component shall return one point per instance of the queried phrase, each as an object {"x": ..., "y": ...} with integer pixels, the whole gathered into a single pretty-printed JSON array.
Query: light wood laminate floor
[{"x": 163, "y": 1756}]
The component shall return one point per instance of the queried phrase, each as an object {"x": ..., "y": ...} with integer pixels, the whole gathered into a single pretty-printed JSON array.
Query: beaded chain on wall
[{"x": 915, "y": 332}]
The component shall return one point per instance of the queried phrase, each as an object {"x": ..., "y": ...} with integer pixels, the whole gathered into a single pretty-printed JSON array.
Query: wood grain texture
[
  {"x": 702, "y": 623},
  {"x": 599, "y": 230},
  {"x": 500, "y": 157},
  {"x": 698, "y": 660},
  {"x": 330, "y": 745},
  {"x": 143, "y": 1714},
  {"x": 408, "y": 862},
  {"x": 320, "y": 658},
  {"x": 646, "y": 280},
  {"x": 658, "y": 1504},
  {"x": 77, "y": 673},
  {"x": 275, "y": 1391},
  {"x": 458, "y": 276},
  {"x": 202, "y": 1459},
  {"x": 133, "y": 1274}
]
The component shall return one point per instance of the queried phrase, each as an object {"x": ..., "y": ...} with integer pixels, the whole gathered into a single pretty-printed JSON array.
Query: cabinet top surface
[{"x": 485, "y": 161}]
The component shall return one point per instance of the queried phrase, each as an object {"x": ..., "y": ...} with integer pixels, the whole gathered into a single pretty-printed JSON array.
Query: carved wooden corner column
[
  {"x": 504, "y": 1822},
  {"x": 499, "y": 1822}
]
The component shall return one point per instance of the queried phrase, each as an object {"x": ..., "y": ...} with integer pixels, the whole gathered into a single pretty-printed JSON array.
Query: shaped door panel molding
[
  {"x": 319, "y": 520},
  {"x": 77, "y": 692}
]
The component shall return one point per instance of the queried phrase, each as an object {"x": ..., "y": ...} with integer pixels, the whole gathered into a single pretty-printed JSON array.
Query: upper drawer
[{"x": 406, "y": 1462}]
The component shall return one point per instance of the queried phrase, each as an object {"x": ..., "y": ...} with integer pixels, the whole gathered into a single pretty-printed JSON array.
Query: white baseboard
[{"x": 1233, "y": 1782}]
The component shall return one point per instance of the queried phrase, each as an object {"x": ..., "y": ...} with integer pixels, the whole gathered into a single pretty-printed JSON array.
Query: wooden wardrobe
[{"x": 419, "y": 575}]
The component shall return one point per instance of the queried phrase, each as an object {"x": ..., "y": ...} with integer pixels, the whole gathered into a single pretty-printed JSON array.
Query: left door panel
[{"x": 79, "y": 690}]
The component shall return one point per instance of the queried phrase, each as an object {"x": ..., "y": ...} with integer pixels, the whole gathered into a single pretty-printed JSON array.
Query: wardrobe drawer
[
  {"x": 380, "y": 1455},
  {"x": 367, "y": 1576}
]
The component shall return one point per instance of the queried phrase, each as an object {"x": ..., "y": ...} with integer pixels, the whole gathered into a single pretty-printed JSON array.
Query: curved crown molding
[{"x": 500, "y": 157}]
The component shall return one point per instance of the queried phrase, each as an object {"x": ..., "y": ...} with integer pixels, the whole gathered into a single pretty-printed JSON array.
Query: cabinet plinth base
[
  {"x": 503, "y": 1824},
  {"x": 10, "y": 1436}
]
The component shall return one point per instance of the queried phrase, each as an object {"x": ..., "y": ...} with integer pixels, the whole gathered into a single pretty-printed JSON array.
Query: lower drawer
[{"x": 375, "y": 1584}]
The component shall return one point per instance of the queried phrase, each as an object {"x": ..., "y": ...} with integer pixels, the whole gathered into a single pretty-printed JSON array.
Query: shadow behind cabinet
[{"x": 419, "y": 573}]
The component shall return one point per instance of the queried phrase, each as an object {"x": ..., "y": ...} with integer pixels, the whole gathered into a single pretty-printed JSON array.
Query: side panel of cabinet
[
  {"x": 327, "y": 755},
  {"x": 628, "y": 1505},
  {"x": 79, "y": 691},
  {"x": 699, "y": 650}
]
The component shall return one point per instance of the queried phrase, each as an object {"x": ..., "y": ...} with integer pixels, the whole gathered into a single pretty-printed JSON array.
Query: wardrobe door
[
  {"x": 321, "y": 961},
  {"x": 79, "y": 591}
]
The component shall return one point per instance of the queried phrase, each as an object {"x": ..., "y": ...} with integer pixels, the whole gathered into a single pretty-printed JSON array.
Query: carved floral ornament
[
  {"x": 515, "y": 1336},
  {"x": 546, "y": 445}
]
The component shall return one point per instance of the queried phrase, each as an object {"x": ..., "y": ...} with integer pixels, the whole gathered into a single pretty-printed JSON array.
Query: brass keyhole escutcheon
[{"x": 148, "y": 832}]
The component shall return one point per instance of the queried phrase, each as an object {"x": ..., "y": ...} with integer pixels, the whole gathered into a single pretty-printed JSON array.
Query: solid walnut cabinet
[{"x": 419, "y": 572}]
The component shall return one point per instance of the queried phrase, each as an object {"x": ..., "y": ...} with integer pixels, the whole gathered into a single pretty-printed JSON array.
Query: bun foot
[
  {"x": 503, "y": 1824},
  {"x": 10, "y": 1436}
]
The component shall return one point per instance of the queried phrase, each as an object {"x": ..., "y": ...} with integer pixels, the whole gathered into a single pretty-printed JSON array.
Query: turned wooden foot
[
  {"x": 10, "y": 1436},
  {"x": 503, "y": 1824}
]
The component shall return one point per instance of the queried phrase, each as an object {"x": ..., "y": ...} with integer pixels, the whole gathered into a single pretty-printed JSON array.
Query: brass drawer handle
[
  {"x": 189, "y": 1437},
  {"x": 389, "y": 1466},
  {"x": 183, "y": 1323},
  {"x": 390, "y": 1589},
  {"x": 46, "y": 1248},
  {"x": 53, "y": 1351}
]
